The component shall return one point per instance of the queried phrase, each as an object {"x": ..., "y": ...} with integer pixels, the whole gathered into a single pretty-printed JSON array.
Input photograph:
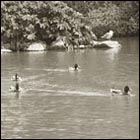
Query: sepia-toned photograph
[{"x": 69, "y": 69}]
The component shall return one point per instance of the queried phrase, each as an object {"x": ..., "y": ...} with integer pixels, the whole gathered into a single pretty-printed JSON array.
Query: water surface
[{"x": 58, "y": 103}]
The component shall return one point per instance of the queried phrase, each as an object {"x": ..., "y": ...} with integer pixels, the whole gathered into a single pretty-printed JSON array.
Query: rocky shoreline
[
  {"x": 41, "y": 46},
  {"x": 66, "y": 25}
]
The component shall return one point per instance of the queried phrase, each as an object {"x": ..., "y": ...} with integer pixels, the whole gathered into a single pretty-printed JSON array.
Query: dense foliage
[
  {"x": 23, "y": 22},
  {"x": 120, "y": 16}
]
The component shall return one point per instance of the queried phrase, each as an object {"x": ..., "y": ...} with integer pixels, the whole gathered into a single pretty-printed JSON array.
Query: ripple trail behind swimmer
[
  {"x": 33, "y": 77},
  {"x": 51, "y": 70},
  {"x": 69, "y": 93}
]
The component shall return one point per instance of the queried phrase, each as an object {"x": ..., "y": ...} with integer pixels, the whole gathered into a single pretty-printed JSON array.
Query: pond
[{"x": 58, "y": 103}]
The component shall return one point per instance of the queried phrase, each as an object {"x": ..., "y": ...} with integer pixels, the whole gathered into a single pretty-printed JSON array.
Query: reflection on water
[
  {"x": 57, "y": 103},
  {"x": 112, "y": 53}
]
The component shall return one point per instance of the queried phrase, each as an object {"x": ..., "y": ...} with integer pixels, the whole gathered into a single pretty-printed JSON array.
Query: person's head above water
[
  {"x": 75, "y": 66},
  {"x": 126, "y": 89}
]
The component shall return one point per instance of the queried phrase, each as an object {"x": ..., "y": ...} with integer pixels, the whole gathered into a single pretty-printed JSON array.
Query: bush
[
  {"x": 30, "y": 21},
  {"x": 26, "y": 21}
]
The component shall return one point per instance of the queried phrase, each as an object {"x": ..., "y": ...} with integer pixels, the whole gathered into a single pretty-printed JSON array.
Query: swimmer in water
[
  {"x": 127, "y": 90},
  {"x": 119, "y": 92},
  {"x": 76, "y": 66},
  {"x": 16, "y": 78},
  {"x": 17, "y": 88}
]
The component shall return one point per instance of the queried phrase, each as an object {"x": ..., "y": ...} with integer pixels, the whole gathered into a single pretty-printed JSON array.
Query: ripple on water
[
  {"x": 68, "y": 93},
  {"x": 56, "y": 103}
]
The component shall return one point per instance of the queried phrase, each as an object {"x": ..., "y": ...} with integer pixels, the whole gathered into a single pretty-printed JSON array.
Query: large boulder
[
  {"x": 106, "y": 44},
  {"x": 36, "y": 47},
  {"x": 79, "y": 47},
  {"x": 4, "y": 50},
  {"x": 108, "y": 35},
  {"x": 60, "y": 43}
]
